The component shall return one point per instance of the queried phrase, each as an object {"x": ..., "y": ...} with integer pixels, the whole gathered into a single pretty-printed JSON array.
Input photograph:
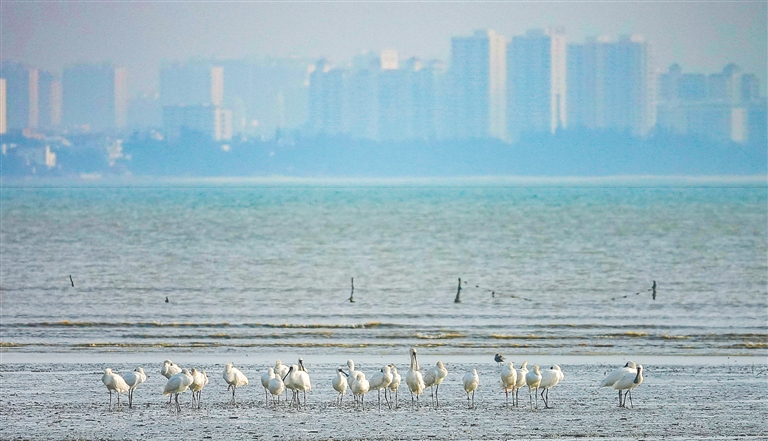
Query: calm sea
[{"x": 554, "y": 268}]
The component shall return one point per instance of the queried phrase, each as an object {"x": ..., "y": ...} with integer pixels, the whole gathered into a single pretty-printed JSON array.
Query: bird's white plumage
[
  {"x": 628, "y": 382},
  {"x": 614, "y": 376},
  {"x": 169, "y": 369},
  {"x": 508, "y": 378},
  {"x": 413, "y": 378},
  {"x": 178, "y": 383},
  {"x": 114, "y": 383},
  {"x": 135, "y": 378}
]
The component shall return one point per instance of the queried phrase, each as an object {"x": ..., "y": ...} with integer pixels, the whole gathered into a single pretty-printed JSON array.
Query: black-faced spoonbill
[
  {"x": 114, "y": 382},
  {"x": 613, "y": 377},
  {"x": 340, "y": 384},
  {"x": 360, "y": 387},
  {"x": 168, "y": 370},
  {"x": 178, "y": 384},
  {"x": 521, "y": 373},
  {"x": 471, "y": 381},
  {"x": 627, "y": 383},
  {"x": 199, "y": 381},
  {"x": 433, "y": 378},
  {"x": 380, "y": 380},
  {"x": 395, "y": 384},
  {"x": 234, "y": 378},
  {"x": 414, "y": 379},
  {"x": 276, "y": 387},
  {"x": 549, "y": 379},
  {"x": 508, "y": 380},
  {"x": 532, "y": 379},
  {"x": 265, "y": 377},
  {"x": 134, "y": 379}
]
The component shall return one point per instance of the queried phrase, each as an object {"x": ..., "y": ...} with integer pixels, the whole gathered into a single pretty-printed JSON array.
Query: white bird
[
  {"x": 178, "y": 384},
  {"x": 532, "y": 379},
  {"x": 168, "y": 370},
  {"x": 351, "y": 375},
  {"x": 265, "y": 377},
  {"x": 414, "y": 379},
  {"x": 298, "y": 381},
  {"x": 340, "y": 384},
  {"x": 627, "y": 383},
  {"x": 471, "y": 381},
  {"x": 381, "y": 380},
  {"x": 199, "y": 381},
  {"x": 521, "y": 373},
  {"x": 234, "y": 378},
  {"x": 629, "y": 367},
  {"x": 549, "y": 379},
  {"x": 360, "y": 386},
  {"x": 613, "y": 377},
  {"x": 395, "y": 384},
  {"x": 133, "y": 380},
  {"x": 281, "y": 371},
  {"x": 434, "y": 377},
  {"x": 276, "y": 386},
  {"x": 114, "y": 382},
  {"x": 509, "y": 379}
]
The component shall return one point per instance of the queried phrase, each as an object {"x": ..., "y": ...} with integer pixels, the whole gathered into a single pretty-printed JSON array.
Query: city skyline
[{"x": 703, "y": 37}]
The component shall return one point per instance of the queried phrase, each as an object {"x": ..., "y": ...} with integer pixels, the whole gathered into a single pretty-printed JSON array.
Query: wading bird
[
  {"x": 613, "y": 377},
  {"x": 133, "y": 380},
  {"x": 340, "y": 384},
  {"x": 414, "y": 379},
  {"x": 433, "y": 378},
  {"x": 381, "y": 380},
  {"x": 532, "y": 379},
  {"x": 265, "y": 377},
  {"x": 199, "y": 381},
  {"x": 395, "y": 384},
  {"x": 471, "y": 381},
  {"x": 178, "y": 384},
  {"x": 498, "y": 358},
  {"x": 168, "y": 370},
  {"x": 234, "y": 378},
  {"x": 549, "y": 379},
  {"x": 114, "y": 382},
  {"x": 627, "y": 383},
  {"x": 521, "y": 373},
  {"x": 276, "y": 387},
  {"x": 508, "y": 380}
]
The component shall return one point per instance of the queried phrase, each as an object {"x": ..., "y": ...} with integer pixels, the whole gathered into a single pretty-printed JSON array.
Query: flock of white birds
[{"x": 295, "y": 378}]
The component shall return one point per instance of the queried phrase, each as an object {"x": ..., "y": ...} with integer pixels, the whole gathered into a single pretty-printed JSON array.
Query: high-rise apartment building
[
  {"x": 536, "y": 82},
  {"x": 611, "y": 84},
  {"x": 478, "y": 86},
  {"x": 21, "y": 84},
  {"x": 3, "y": 115},
  {"x": 94, "y": 97},
  {"x": 327, "y": 100},
  {"x": 193, "y": 83},
  {"x": 725, "y": 106}
]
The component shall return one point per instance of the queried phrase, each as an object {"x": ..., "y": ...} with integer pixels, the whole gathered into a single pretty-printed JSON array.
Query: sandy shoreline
[{"x": 691, "y": 401}]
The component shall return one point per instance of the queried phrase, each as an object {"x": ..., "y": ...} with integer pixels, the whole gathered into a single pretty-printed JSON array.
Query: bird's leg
[
  {"x": 506, "y": 391},
  {"x": 537, "y": 397},
  {"x": 178, "y": 406},
  {"x": 110, "y": 400},
  {"x": 473, "y": 399},
  {"x": 619, "y": 397},
  {"x": 630, "y": 399},
  {"x": 530, "y": 398},
  {"x": 543, "y": 399},
  {"x": 305, "y": 398}
]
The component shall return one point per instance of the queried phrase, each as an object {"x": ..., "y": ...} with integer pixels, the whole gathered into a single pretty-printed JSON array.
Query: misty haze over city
[{"x": 383, "y": 89}]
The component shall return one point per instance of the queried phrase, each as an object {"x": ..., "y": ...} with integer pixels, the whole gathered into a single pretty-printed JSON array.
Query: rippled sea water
[{"x": 556, "y": 269}]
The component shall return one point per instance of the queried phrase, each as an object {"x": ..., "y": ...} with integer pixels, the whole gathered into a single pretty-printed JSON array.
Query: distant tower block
[
  {"x": 217, "y": 86},
  {"x": 389, "y": 60}
]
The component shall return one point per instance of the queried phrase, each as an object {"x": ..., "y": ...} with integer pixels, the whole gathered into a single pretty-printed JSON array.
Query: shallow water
[{"x": 558, "y": 270}]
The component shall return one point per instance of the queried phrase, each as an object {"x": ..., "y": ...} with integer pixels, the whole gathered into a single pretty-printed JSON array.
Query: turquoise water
[{"x": 266, "y": 265}]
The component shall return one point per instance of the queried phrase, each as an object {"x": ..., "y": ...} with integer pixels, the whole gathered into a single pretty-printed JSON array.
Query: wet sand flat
[{"x": 68, "y": 401}]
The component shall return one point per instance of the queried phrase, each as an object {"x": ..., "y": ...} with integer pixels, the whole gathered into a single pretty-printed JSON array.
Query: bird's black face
[
  {"x": 626, "y": 365},
  {"x": 340, "y": 370},
  {"x": 288, "y": 373}
]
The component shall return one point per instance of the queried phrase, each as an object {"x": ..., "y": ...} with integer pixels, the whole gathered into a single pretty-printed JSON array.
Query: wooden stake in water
[
  {"x": 71, "y": 281},
  {"x": 654, "y": 290},
  {"x": 458, "y": 293},
  {"x": 352, "y": 294}
]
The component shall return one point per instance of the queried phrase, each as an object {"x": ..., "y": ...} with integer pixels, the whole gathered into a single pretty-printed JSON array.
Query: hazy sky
[{"x": 702, "y": 36}]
